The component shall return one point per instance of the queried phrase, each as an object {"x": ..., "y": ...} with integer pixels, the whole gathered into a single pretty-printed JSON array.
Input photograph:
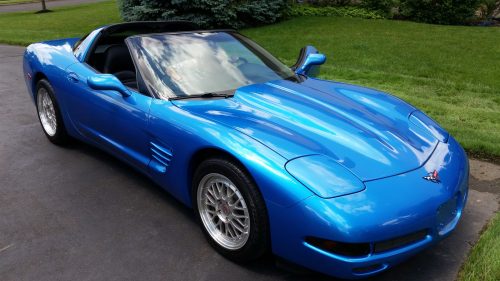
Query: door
[{"x": 113, "y": 122}]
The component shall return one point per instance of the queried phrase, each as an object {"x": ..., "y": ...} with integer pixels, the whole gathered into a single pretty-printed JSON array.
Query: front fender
[{"x": 184, "y": 134}]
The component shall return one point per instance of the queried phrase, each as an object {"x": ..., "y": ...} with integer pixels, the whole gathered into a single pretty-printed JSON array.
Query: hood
[{"x": 364, "y": 130}]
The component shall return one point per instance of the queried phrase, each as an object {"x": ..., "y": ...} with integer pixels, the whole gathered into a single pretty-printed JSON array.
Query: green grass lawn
[
  {"x": 484, "y": 259},
  {"x": 11, "y": 2},
  {"x": 23, "y": 28}
]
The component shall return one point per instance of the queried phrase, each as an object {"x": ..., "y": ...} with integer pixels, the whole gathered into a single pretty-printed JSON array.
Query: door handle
[{"x": 72, "y": 77}]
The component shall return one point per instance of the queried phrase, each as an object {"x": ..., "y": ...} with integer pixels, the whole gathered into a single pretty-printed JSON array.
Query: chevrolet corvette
[{"x": 341, "y": 179}]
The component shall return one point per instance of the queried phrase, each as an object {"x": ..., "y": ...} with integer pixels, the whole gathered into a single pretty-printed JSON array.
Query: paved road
[
  {"x": 37, "y": 6},
  {"x": 78, "y": 214}
]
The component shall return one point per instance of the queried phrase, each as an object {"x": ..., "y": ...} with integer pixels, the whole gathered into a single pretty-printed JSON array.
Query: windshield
[{"x": 188, "y": 64}]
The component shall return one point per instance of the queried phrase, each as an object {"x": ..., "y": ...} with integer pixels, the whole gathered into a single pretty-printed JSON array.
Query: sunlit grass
[
  {"x": 23, "y": 28},
  {"x": 11, "y": 2},
  {"x": 484, "y": 259}
]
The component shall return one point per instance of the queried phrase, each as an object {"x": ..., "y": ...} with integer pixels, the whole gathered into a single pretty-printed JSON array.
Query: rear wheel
[
  {"x": 230, "y": 210},
  {"x": 49, "y": 113}
]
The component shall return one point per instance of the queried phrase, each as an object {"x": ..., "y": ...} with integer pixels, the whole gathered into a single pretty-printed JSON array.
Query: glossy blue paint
[
  {"x": 310, "y": 61},
  {"x": 324, "y": 176},
  {"x": 420, "y": 119},
  {"x": 105, "y": 82},
  {"x": 49, "y": 58},
  {"x": 332, "y": 160},
  {"x": 107, "y": 118},
  {"x": 387, "y": 208},
  {"x": 364, "y": 130}
]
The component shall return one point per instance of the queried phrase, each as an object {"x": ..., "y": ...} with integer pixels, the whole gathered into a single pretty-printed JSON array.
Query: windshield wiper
[
  {"x": 203, "y": 96},
  {"x": 298, "y": 78}
]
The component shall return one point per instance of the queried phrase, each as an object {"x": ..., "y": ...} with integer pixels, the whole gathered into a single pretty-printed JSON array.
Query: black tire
[
  {"x": 258, "y": 242},
  {"x": 60, "y": 137}
]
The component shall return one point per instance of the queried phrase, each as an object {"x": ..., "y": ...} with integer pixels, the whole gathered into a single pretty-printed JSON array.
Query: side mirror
[
  {"x": 309, "y": 61},
  {"x": 107, "y": 82}
]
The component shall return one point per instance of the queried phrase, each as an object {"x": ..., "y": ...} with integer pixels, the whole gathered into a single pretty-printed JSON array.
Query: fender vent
[{"x": 160, "y": 157}]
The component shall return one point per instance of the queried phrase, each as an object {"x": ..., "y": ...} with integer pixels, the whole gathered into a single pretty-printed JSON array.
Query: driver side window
[{"x": 112, "y": 56}]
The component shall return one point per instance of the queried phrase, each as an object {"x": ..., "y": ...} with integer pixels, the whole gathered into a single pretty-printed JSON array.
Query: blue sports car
[{"x": 341, "y": 179}]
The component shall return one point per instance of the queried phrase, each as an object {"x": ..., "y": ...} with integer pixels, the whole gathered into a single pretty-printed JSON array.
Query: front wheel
[{"x": 230, "y": 210}]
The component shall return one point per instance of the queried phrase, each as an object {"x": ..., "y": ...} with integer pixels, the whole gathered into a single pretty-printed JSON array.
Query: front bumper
[{"x": 387, "y": 209}]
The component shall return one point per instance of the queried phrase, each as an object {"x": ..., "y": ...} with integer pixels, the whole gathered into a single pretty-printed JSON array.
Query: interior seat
[{"x": 117, "y": 61}]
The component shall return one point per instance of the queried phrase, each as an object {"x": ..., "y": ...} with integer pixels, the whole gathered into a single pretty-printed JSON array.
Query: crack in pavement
[{"x": 6, "y": 247}]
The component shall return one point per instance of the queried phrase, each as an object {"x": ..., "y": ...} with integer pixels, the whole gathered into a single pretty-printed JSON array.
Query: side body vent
[{"x": 160, "y": 158}]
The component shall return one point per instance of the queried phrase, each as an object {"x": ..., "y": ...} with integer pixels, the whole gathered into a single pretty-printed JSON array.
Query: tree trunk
[{"x": 43, "y": 5}]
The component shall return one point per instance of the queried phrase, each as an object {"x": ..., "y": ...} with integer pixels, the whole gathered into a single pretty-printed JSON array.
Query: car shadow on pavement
[{"x": 141, "y": 180}]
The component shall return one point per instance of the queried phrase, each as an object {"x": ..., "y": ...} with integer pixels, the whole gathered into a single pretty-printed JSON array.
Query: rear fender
[{"x": 50, "y": 60}]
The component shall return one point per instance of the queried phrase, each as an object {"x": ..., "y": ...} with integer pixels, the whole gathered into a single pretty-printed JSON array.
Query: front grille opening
[
  {"x": 399, "y": 241},
  {"x": 340, "y": 248}
]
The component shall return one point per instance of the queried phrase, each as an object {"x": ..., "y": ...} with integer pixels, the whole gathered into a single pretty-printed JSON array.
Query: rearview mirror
[
  {"x": 107, "y": 82},
  {"x": 309, "y": 61}
]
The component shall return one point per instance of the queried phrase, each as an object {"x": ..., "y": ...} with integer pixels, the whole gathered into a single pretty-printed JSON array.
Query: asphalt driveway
[{"x": 78, "y": 214}]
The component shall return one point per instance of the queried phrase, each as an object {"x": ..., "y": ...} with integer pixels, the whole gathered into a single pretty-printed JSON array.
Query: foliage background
[
  {"x": 430, "y": 11},
  {"x": 206, "y": 13},
  {"x": 439, "y": 11}
]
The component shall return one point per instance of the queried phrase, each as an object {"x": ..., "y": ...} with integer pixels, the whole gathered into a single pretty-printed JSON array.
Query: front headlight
[{"x": 324, "y": 176}]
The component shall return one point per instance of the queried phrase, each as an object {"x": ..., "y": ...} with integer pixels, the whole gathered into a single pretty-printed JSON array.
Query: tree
[
  {"x": 44, "y": 8},
  {"x": 439, "y": 11},
  {"x": 206, "y": 13}
]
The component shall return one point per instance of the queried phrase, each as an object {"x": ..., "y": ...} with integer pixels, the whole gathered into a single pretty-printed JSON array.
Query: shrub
[
  {"x": 382, "y": 6},
  {"x": 206, "y": 13},
  {"x": 323, "y": 3},
  {"x": 353, "y": 12},
  {"x": 439, "y": 11},
  {"x": 487, "y": 8}
]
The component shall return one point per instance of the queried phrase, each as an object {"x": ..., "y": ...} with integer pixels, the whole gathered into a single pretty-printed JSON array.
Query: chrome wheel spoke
[
  {"x": 215, "y": 190},
  {"x": 46, "y": 112},
  {"x": 219, "y": 225},
  {"x": 231, "y": 229},
  {"x": 223, "y": 211},
  {"x": 228, "y": 194},
  {"x": 211, "y": 200},
  {"x": 241, "y": 221},
  {"x": 235, "y": 202},
  {"x": 218, "y": 188},
  {"x": 236, "y": 227},
  {"x": 210, "y": 192},
  {"x": 240, "y": 208},
  {"x": 239, "y": 216}
]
